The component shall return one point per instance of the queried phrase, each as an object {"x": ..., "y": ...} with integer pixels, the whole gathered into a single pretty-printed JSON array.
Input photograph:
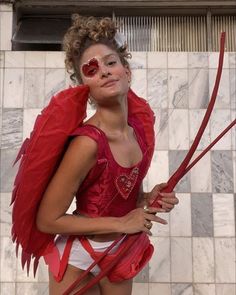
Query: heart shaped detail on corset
[{"x": 125, "y": 183}]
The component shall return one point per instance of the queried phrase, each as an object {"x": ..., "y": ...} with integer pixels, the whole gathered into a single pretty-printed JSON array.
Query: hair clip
[{"x": 120, "y": 39}]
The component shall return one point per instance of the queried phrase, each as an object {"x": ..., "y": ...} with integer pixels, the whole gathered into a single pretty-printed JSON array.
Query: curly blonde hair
[{"x": 87, "y": 31}]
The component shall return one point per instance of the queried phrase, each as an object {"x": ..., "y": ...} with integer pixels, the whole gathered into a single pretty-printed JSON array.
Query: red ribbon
[{"x": 172, "y": 182}]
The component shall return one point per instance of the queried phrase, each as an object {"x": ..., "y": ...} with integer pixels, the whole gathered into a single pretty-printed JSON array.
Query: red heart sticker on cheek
[{"x": 90, "y": 69}]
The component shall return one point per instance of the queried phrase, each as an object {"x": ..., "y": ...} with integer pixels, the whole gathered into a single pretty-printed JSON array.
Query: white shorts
[{"x": 79, "y": 257}]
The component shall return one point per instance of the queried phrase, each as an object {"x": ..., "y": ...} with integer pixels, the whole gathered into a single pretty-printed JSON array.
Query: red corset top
[{"x": 110, "y": 189}]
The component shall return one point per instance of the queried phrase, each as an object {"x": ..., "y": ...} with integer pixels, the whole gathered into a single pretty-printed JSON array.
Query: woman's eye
[{"x": 111, "y": 63}]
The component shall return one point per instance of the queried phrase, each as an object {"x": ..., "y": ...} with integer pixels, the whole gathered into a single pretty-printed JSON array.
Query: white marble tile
[
  {"x": 30, "y": 116},
  {"x": 225, "y": 260},
  {"x": 55, "y": 59},
  {"x": 178, "y": 129},
  {"x": 198, "y": 88},
  {"x": 5, "y": 7},
  {"x": 7, "y": 288},
  {"x": 8, "y": 260},
  {"x": 220, "y": 119},
  {"x": 13, "y": 88},
  {"x": 182, "y": 289},
  {"x": 159, "y": 169},
  {"x": 14, "y": 59},
  {"x": 138, "y": 60},
  {"x": 140, "y": 289},
  {"x": 5, "y": 30},
  {"x": 180, "y": 217},
  {"x": 34, "y": 88},
  {"x": 42, "y": 271},
  {"x": 143, "y": 275},
  {"x": 139, "y": 82},
  {"x": 32, "y": 289},
  {"x": 177, "y": 60},
  {"x": 5, "y": 214},
  {"x": 203, "y": 260},
  {"x": 200, "y": 174},
  {"x": 181, "y": 254},
  {"x": 232, "y": 85},
  {"x": 2, "y": 59},
  {"x": 161, "y": 230},
  {"x": 204, "y": 289},
  {"x": 195, "y": 120},
  {"x": 161, "y": 129},
  {"x": 225, "y": 289},
  {"x": 223, "y": 95},
  {"x": 198, "y": 59},
  {"x": 162, "y": 289},
  {"x": 54, "y": 82},
  {"x": 35, "y": 59},
  {"x": 223, "y": 212},
  {"x": 1, "y": 86},
  {"x": 157, "y": 60},
  {"x": 68, "y": 81},
  {"x": 157, "y": 88},
  {"x": 232, "y": 59},
  {"x": 21, "y": 274},
  {"x": 214, "y": 60},
  {"x": 160, "y": 262},
  {"x": 178, "y": 88},
  {"x": 233, "y": 130}
]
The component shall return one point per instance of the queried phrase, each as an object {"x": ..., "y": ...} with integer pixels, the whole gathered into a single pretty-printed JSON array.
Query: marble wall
[{"x": 195, "y": 251}]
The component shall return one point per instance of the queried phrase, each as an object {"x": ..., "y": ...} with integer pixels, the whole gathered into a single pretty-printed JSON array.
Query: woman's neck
[{"x": 113, "y": 119}]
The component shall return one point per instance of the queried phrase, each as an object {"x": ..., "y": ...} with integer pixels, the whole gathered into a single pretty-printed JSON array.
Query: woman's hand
[
  {"x": 140, "y": 219},
  {"x": 167, "y": 201}
]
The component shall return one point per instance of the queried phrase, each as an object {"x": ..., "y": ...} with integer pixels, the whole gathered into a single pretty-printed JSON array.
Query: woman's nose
[{"x": 104, "y": 71}]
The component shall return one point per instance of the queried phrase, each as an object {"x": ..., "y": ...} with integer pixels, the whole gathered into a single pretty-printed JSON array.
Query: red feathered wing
[{"x": 40, "y": 156}]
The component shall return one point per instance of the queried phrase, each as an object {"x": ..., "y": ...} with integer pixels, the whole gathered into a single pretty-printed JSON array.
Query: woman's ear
[{"x": 128, "y": 73}]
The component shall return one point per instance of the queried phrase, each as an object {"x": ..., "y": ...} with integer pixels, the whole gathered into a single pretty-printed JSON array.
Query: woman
[{"x": 110, "y": 200}]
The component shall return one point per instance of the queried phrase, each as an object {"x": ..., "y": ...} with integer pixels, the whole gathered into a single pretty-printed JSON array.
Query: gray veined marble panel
[
  {"x": 8, "y": 172},
  {"x": 182, "y": 289},
  {"x": 222, "y": 172},
  {"x": 12, "y": 128},
  {"x": 202, "y": 215},
  {"x": 157, "y": 88},
  {"x": 178, "y": 88},
  {"x": 175, "y": 158},
  {"x": 34, "y": 88},
  {"x": 161, "y": 129},
  {"x": 54, "y": 82},
  {"x": 198, "y": 88}
]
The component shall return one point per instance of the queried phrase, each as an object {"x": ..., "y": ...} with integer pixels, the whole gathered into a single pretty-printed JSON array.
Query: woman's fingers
[{"x": 152, "y": 217}]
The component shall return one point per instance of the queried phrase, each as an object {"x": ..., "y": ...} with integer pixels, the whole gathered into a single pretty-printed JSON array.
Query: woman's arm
[{"x": 79, "y": 158}]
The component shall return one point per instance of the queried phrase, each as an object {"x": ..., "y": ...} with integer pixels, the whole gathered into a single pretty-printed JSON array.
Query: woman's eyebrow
[{"x": 108, "y": 55}]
